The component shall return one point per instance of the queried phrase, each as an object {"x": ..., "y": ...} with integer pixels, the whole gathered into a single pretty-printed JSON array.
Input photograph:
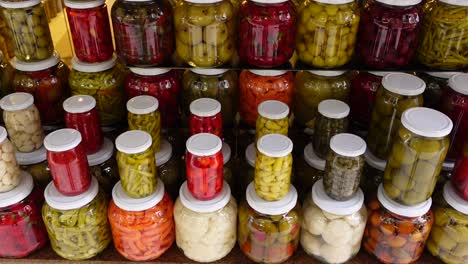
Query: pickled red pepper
[
  {"x": 206, "y": 117},
  {"x": 460, "y": 173}
]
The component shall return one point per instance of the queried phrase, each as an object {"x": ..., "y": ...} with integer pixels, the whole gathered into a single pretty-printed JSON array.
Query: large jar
[
  {"x": 90, "y": 30},
  {"x": 268, "y": 231},
  {"x": 206, "y": 117},
  {"x": 326, "y": 32},
  {"x": 104, "y": 82},
  {"x": 257, "y": 86},
  {"x": 396, "y": 233},
  {"x": 142, "y": 229},
  {"x": 143, "y": 114},
  {"x": 436, "y": 84},
  {"x": 272, "y": 119},
  {"x": 103, "y": 166},
  {"x": 77, "y": 225},
  {"x": 6, "y": 73},
  {"x": 312, "y": 87},
  {"x": 308, "y": 170},
  {"x": 168, "y": 168},
  {"x": 10, "y": 174},
  {"x": 143, "y": 31},
  {"x": 267, "y": 32},
  {"x": 332, "y": 230},
  {"x": 460, "y": 173},
  {"x": 215, "y": 221},
  {"x": 35, "y": 163},
  {"x": 398, "y": 92},
  {"x": 388, "y": 33},
  {"x": 372, "y": 174}
]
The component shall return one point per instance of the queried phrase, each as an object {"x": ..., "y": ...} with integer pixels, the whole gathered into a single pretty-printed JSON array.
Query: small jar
[
  {"x": 81, "y": 114},
  {"x": 397, "y": 233},
  {"x": 417, "y": 155},
  {"x": 35, "y": 163},
  {"x": 372, "y": 174},
  {"x": 206, "y": 117},
  {"x": 436, "y": 84},
  {"x": 6, "y": 71},
  {"x": 77, "y": 225},
  {"x": 398, "y": 92},
  {"x": 460, "y": 174},
  {"x": 272, "y": 119},
  {"x": 168, "y": 168},
  {"x": 247, "y": 174},
  {"x": 344, "y": 166},
  {"x": 309, "y": 169},
  {"x": 67, "y": 161},
  {"x": 332, "y": 230},
  {"x": 136, "y": 162},
  {"x": 268, "y": 231},
  {"x": 142, "y": 229},
  {"x": 332, "y": 120},
  {"x": 90, "y": 30},
  {"x": 21, "y": 226},
  {"x": 143, "y": 114},
  {"x": 10, "y": 175},
  {"x": 22, "y": 121},
  {"x": 103, "y": 166},
  {"x": 215, "y": 221},
  {"x": 273, "y": 167},
  {"x": 204, "y": 166}
]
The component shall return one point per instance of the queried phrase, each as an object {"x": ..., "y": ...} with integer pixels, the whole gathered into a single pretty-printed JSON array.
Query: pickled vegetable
[
  {"x": 460, "y": 173},
  {"x": 6, "y": 42},
  {"x": 10, "y": 174},
  {"x": 272, "y": 119},
  {"x": 143, "y": 114},
  {"x": 205, "y": 117}
]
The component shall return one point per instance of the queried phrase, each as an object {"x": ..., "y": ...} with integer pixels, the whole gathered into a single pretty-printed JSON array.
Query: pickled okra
[
  {"x": 137, "y": 173},
  {"x": 150, "y": 123}
]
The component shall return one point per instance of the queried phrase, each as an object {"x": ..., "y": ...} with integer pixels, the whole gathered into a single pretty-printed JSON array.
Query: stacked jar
[
  {"x": 272, "y": 119},
  {"x": 206, "y": 117}
]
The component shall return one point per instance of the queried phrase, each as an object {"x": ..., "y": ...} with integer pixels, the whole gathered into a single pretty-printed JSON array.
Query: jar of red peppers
[
  {"x": 204, "y": 166},
  {"x": 21, "y": 226},
  {"x": 90, "y": 30},
  {"x": 35, "y": 163},
  {"x": 81, "y": 114},
  {"x": 103, "y": 166},
  {"x": 67, "y": 160},
  {"x": 388, "y": 33},
  {"x": 436, "y": 84},
  {"x": 143, "y": 114},
  {"x": 267, "y": 32},
  {"x": 205, "y": 117},
  {"x": 460, "y": 173}
]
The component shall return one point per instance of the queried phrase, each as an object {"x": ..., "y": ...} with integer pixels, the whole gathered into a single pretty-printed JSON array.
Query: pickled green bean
[{"x": 138, "y": 173}]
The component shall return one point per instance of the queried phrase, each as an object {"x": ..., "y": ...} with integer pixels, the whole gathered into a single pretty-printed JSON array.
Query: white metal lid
[
  {"x": 455, "y": 2},
  {"x": 328, "y": 73},
  {"x": 62, "y": 140},
  {"x": 426, "y": 122},
  {"x": 19, "y": 4},
  {"x": 215, "y": 204},
  {"x": 403, "y": 83},
  {"x": 37, "y": 65},
  {"x": 18, "y": 193},
  {"x": 83, "y": 5},
  {"x": 3, "y": 134},
  {"x": 226, "y": 150},
  {"x": 133, "y": 141},
  {"x": 63, "y": 202},
  {"x": 149, "y": 71},
  {"x": 204, "y": 144},
  {"x": 348, "y": 145},
  {"x": 251, "y": 154},
  {"x": 30, "y": 158},
  {"x": 334, "y": 2},
  {"x": 334, "y": 109},
  {"x": 403, "y": 210},
  {"x": 142, "y": 104},
  {"x": 16, "y": 101},
  {"x": 280, "y": 207},
  {"x": 400, "y": 2},
  {"x": 273, "y": 109},
  {"x": 275, "y": 145},
  {"x": 93, "y": 67},
  {"x": 203, "y": 1},
  {"x": 374, "y": 162},
  {"x": 79, "y": 104},
  {"x": 205, "y": 107},
  {"x": 442, "y": 75},
  {"x": 379, "y": 73},
  {"x": 269, "y": 1},
  {"x": 208, "y": 71},
  {"x": 103, "y": 155},
  {"x": 454, "y": 200},
  {"x": 268, "y": 72},
  {"x": 127, "y": 203},
  {"x": 164, "y": 154},
  {"x": 459, "y": 83},
  {"x": 312, "y": 159},
  {"x": 330, "y": 205}
]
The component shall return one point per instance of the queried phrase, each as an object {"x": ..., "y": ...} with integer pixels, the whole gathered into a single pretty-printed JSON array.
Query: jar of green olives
[
  {"x": 309, "y": 169},
  {"x": 436, "y": 83},
  {"x": 103, "y": 166},
  {"x": 272, "y": 118},
  {"x": 143, "y": 114},
  {"x": 416, "y": 157},
  {"x": 399, "y": 91},
  {"x": 372, "y": 174},
  {"x": 35, "y": 163},
  {"x": 168, "y": 168}
]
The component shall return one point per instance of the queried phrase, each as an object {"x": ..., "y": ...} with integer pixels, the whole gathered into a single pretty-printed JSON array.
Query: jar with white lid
[
  {"x": 35, "y": 163},
  {"x": 332, "y": 230},
  {"x": 10, "y": 171},
  {"x": 268, "y": 231},
  {"x": 77, "y": 225},
  {"x": 372, "y": 174},
  {"x": 103, "y": 166},
  {"x": 22, "y": 121},
  {"x": 205, "y": 230},
  {"x": 206, "y": 117},
  {"x": 436, "y": 84},
  {"x": 168, "y": 168},
  {"x": 143, "y": 114},
  {"x": 272, "y": 118},
  {"x": 308, "y": 170}
]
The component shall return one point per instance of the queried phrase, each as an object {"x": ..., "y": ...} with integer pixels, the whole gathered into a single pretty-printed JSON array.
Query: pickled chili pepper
[
  {"x": 460, "y": 173},
  {"x": 206, "y": 117}
]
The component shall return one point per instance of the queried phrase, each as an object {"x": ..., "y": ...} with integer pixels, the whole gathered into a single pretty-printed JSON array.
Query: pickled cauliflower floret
[{"x": 310, "y": 243}]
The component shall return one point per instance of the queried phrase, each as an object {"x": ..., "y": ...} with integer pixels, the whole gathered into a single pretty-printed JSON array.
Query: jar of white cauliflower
[
  {"x": 10, "y": 174},
  {"x": 205, "y": 230},
  {"x": 332, "y": 230}
]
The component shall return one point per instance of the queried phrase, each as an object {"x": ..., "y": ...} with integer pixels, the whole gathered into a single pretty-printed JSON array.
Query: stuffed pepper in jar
[
  {"x": 10, "y": 175},
  {"x": 103, "y": 167},
  {"x": 143, "y": 114},
  {"x": 35, "y": 163},
  {"x": 167, "y": 163},
  {"x": 272, "y": 119},
  {"x": 206, "y": 117},
  {"x": 460, "y": 173}
]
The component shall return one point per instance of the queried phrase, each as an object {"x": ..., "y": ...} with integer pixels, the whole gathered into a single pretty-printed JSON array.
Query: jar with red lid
[
  {"x": 460, "y": 173},
  {"x": 205, "y": 117},
  {"x": 81, "y": 114},
  {"x": 90, "y": 30},
  {"x": 267, "y": 32},
  {"x": 388, "y": 33},
  {"x": 67, "y": 160},
  {"x": 204, "y": 166}
]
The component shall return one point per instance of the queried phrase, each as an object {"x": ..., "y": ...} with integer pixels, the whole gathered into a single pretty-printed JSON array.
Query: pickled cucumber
[{"x": 272, "y": 176}]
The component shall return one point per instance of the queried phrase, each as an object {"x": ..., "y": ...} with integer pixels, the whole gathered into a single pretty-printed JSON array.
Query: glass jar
[
  {"x": 398, "y": 92},
  {"x": 143, "y": 31},
  {"x": 90, "y": 30},
  {"x": 137, "y": 164},
  {"x": 22, "y": 121},
  {"x": 142, "y": 229},
  {"x": 372, "y": 174},
  {"x": 396, "y": 233},
  {"x": 257, "y": 86},
  {"x": 164, "y": 84},
  {"x": 417, "y": 155},
  {"x": 204, "y": 166},
  {"x": 267, "y": 32},
  {"x": 29, "y": 28},
  {"x": 268, "y": 231},
  {"x": 81, "y": 114},
  {"x": 215, "y": 221},
  {"x": 143, "y": 114},
  {"x": 67, "y": 160},
  {"x": 272, "y": 119},
  {"x": 168, "y": 168},
  {"x": 10, "y": 172},
  {"x": 436, "y": 84},
  {"x": 6, "y": 42},
  {"x": 77, "y": 225},
  {"x": 104, "y": 82},
  {"x": 332, "y": 230},
  {"x": 326, "y": 32},
  {"x": 103, "y": 166},
  {"x": 35, "y": 163},
  {"x": 205, "y": 117},
  {"x": 248, "y": 168},
  {"x": 388, "y": 33},
  {"x": 312, "y": 87},
  {"x": 442, "y": 36},
  {"x": 309, "y": 169},
  {"x": 460, "y": 173},
  {"x": 6, "y": 73},
  {"x": 21, "y": 226}
]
